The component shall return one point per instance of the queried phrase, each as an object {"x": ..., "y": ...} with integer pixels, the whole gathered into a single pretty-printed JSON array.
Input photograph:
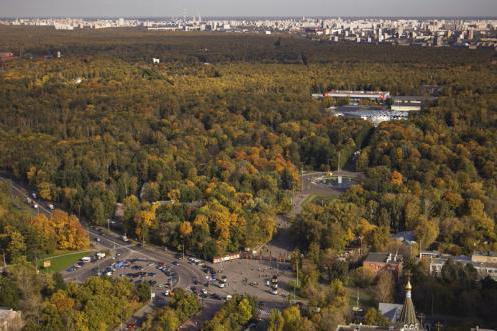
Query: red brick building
[{"x": 381, "y": 261}]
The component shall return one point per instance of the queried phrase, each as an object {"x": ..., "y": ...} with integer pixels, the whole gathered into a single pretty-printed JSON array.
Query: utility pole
[
  {"x": 4, "y": 260},
  {"x": 421, "y": 319},
  {"x": 298, "y": 273},
  {"x": 298, "y": 283},
  {"x": 302, "y": 177},
  {"x": 291, "y": 197}
]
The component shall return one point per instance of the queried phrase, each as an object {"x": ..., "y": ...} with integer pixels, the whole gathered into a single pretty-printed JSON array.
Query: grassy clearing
[
  {"x": 366, "y": 299},
  {"x": 62, "y": 260},
  {"x": 319, "y": 198}
]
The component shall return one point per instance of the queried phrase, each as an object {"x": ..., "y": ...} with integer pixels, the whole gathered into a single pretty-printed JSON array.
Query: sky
[{"x": 164, "y": 8}]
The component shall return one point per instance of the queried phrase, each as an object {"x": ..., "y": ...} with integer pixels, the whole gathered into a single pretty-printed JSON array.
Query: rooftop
[
  {"x": 6, "y": 313},
  {"x": 358, "y": 327},
  {"x": 391, "y": 311},
  {"x": 382, "y": 257},
  {"x": 486, "y": 253}
]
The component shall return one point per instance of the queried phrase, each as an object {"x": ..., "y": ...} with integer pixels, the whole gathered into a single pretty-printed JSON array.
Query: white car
[
  {"x": 35, "y": 206},
  {"x": 221, "y": 285},
  {"x": 51, "y": 206}
]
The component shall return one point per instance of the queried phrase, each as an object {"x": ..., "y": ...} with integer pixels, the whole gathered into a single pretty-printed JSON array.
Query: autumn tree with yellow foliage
[{"x": 64, "y": 229}]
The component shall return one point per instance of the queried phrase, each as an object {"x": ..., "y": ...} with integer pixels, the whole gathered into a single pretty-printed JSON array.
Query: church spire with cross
[{"x": 407, "y": 319}]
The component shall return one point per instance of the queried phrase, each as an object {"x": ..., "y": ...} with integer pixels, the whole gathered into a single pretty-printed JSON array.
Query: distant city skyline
[{"x": 260, "y": 8}]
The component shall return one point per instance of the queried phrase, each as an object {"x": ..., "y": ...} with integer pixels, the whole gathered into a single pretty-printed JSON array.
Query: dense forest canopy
[
  {"x": 141, "y": 45},
  {"x": 220, "y": 129}
]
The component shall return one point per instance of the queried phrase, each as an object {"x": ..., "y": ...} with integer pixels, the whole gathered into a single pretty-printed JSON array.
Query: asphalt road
[
  {"x": 239, "y": 273},
  {"x": 113, "y": 242}
]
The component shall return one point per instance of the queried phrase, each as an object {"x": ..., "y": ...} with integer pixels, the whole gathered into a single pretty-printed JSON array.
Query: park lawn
[
  {"x": 62, "y": 260},
  {"x": 318, "y": 198},
  {"x": 366, "y": 299}
]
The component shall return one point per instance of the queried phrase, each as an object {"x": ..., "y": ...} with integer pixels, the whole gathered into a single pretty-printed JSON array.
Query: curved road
[{"x": 112, "y": 241}]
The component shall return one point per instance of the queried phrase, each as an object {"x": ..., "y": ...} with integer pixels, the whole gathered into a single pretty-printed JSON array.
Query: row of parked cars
[
  {"x": 203, "y": 293},
  {"x": 273, "y": 284},
  {"x": 86, "y": 259}
]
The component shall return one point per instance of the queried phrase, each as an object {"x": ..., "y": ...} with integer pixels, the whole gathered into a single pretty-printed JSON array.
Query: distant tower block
[
  {"x": 339, "y": 180},
  {"x": 59, "y": 54}
]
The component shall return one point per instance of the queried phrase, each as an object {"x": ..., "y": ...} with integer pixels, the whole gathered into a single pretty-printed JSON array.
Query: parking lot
[
  {"x": 262, "y": 279},
  {"x": 161, "y": 277},
  {"x": 165, "y": 270}
]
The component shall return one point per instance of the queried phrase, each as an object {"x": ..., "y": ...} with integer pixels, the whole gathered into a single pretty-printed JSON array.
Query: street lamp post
[
  {"x": 302, "y": 177},
  {"x": 297, "y": 283},
  {"x": 4, "y": 259}
]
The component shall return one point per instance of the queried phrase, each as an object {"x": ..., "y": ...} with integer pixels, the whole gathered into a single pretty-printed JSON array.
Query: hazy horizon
[{"x": 254, "y": 8}]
